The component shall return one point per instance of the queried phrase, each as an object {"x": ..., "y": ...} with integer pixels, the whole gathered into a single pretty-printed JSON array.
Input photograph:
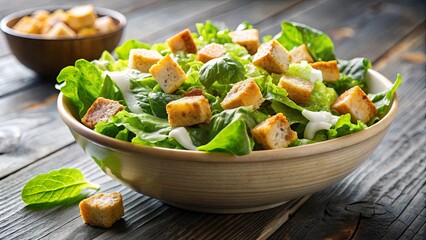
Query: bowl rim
[
  {"x": 122, "y": 22},
  {"x": 255, "y": 156}
]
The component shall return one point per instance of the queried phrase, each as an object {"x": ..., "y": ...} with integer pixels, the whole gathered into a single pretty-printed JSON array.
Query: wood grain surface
[{"x": 383, "y": 199}]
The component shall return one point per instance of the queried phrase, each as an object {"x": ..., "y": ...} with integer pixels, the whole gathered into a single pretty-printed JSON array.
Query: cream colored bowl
[{"x": 222, "y": 183}]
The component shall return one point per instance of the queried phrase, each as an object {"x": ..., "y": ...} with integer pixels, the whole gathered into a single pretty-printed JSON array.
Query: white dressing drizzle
[
  {"x": 316, "y": 75},
  {"x": 183, "y": 138},
  {"x": 123, "y": 82},
  {"x": 318, "y": 121}
]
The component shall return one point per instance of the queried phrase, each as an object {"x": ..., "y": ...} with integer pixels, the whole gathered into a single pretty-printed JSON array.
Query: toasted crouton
[
  {"x": 248, "y": 38},
  {"x": 143, "y": 59},
  {"x": 102, "y": 209},
  {"x": 188, "y": 111},
  {"x": 301, "y": 53},
  {"x": 298, "y": 89},
  {"x": 80, "y": 17},
  {"x": 101, "y": 110},
  {"x": 104, "y": 24},
  {"x": 210, "y": 51},
  {"x": 28, "y": 25},
  {"x": 244, "y": 93},
  {"x": 87, "y": 31},
  {"x": 60, "y": 29},
  {"x": 274, "y": 132},
  {"x": 330, "y": 70},
  {"x": 272, "y": 57},
  {"x": 357, "y": 103},
  {"x": 182, "y": 41},
  {"x": 168, "y": 74}
]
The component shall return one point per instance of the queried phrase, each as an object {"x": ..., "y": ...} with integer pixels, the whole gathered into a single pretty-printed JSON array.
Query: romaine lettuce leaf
[
  {"x": 319, "y": 44},
  {"x": 123, "y": 50},
  {"x": 353, "y": 73},
  {"x": 81, "y": 83},
  {"x": 211, "y": 33},
  {"x": 232, "y": 139},
  {"x": 321, "y": 98},
  {"x": 383, "y": 101},
  {"x": 344, "y": 126}
]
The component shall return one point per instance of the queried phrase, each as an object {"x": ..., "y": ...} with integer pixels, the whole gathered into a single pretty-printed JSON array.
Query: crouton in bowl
[
  {"x": 224, "y": 183},
  {"x": 72, "y": 33}
]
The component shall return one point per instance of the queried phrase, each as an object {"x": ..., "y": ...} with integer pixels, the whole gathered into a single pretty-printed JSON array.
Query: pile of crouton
[
  {"x": 77, "y": 21},
  {"x": 274, "y": 132}
]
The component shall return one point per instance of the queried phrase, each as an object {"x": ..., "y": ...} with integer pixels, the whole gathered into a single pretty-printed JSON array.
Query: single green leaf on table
[{"x": 57, "y": 187}]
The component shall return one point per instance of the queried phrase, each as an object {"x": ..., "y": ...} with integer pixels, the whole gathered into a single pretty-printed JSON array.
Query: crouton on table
[
  {"x": 272, "y": 57},
  {"x": 299, "y": 90},
  {"x": 143, "y": 59},
  {"x": 274, "y": 132},
  {"x": 168, "y": 74},
  {"x": 188, "y": 111},
  {"x": 182, "y": 41},
  {"x": 210, "y": 51},
  {"x": 102, "y": 210},
  {"x": 101, "y": 110},
  {"x": 244, "y": 93},
  {"x": 301, "y": 53},
  {"x": 248, "y": 38},
  {"x": 330, "y": 70},
  {"x": 357, "y": 103}
]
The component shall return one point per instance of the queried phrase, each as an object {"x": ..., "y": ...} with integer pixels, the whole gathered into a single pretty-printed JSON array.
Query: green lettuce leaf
[
  {"x": 383, "y": 101},
  {"x": 211, "y": 33},
  {"x": 81, "y": 83},
  {"x": 321, "y": 98},
  {"x": 232, "y": 139},
  {"x": 344, "y": 126},
  {"x": 353, "y": 73},
  {"x": 123, "y": 50},
  {"x": 319, "y": 44},
  {"x": 223, "y": 70}
]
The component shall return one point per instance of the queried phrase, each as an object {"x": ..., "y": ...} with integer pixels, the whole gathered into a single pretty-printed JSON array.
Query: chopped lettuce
[
  {"x": 211, "y": 33},
  {"x": 352, "y": 74},
  {"x": 383, "y": 101},
  {"x": 223, "y": 70}
]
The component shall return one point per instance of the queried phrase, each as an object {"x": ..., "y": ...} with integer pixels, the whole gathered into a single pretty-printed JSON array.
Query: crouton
[
  {"x": 143, "y": 59},
  {"x": 80, "y": 17},
  {"x": 101, "y": 110},
  {"x": 188, "y": 111},
  {"x": 357, "y": 103},
  {"x": 168, "y": 74},
  {"x": 102, "y": 209},
  {"x": 272, "y": 57},
  {"x": 182, "y": 41},
  {"x": 274, "y": 132},
  {"x": 330, "y": 70},
  {"x": 299, "y": 90},
  {"x": 210, "y": 52},
  {"x": 248, "y": 38},
  {"x": 40, "y": 14},
  {"x": 244, "y": 93},
  {"x": 104, "y": 24},
  {"x": 60, "y": 29},
  {"x": 28, "y": 25},
  {"x": 301, "y": 53},
  {"x": 87, "y": 31}
]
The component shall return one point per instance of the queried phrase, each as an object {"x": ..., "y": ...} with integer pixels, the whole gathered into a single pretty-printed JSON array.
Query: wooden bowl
[
  {"x": 47, "y": 56},
  {"x": 222, "y": 183}
]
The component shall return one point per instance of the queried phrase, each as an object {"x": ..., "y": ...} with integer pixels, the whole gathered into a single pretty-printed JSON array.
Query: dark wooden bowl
[{"x": 48, "y": 56}]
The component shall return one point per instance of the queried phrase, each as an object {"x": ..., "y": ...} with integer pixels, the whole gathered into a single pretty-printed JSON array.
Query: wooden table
[{"x": 383, "y": 199}]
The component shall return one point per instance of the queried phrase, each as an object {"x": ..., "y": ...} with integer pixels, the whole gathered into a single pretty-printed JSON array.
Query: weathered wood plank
[{"x": 385, "y": 197}]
